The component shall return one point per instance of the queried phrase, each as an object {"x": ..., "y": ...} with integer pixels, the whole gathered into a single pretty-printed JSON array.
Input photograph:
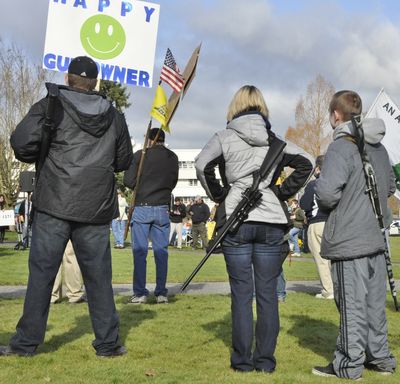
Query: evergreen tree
[{"x": 117, "y": 93}]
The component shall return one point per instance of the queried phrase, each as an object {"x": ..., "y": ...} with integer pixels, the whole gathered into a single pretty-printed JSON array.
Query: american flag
[{"x": 170, "y": 73}]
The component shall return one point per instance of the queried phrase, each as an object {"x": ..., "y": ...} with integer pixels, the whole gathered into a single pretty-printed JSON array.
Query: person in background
[
  {"x": 2, "y": 207},
  {"x": 316, "y": 221},
  {"x": 72, "y": 279},
  {"x": 353, "y": 241},
  {"x": 297, "y": 217},
  {"x": 239, "y": 151},
  {"x": 118, "y": 224},
  {"x": 199, "y": 213},
  {"x": 151, "y": 214},
  {"x": 176, "y": 214}
]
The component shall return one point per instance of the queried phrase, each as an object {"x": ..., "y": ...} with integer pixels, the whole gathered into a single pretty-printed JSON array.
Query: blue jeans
[
  {"x": 92, "y": 247},
  {"x": 294, "y": 239},
  {"x": 258, "y": 247},
  {"x": 281, "y": 286},
  {"x": 118, "y": 229},
  {"x": 150, "y": 222}
]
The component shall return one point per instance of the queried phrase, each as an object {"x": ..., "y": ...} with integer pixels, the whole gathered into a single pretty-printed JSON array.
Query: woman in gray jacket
[{"x": 238, "y": 151}]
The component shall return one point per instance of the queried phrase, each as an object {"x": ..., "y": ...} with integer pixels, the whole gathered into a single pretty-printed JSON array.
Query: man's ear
[
  {"x": 66, "y": 79},
  {"x": 338, "y": 117}
]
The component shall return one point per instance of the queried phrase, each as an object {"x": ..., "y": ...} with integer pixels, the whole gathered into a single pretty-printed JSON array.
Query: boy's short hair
[{"x": 346, "y": 103}]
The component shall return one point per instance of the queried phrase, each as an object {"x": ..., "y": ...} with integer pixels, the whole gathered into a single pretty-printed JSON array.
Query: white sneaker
[
  {"x": 162, "y": 299},
  {"x": 138, "y": 299},
  {"x": 321, "y": 296},
  {"x": 295, "y": 254}
]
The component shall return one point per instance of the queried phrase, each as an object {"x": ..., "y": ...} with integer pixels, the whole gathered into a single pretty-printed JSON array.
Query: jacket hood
[
  {"x": 374, "y": 130},
  {"x": 90, "y": 110},
  {"x": 252, "y": 128}
]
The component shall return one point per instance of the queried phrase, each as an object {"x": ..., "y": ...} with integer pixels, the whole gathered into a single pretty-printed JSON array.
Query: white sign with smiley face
[{"x": 119, "y": 35}]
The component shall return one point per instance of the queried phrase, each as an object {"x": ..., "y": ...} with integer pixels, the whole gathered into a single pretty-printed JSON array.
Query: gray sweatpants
[{"x": 360, "y": 295}]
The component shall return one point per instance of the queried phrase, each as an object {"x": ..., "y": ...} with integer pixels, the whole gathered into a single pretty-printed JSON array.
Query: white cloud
[{"x": 277, "y": 46}]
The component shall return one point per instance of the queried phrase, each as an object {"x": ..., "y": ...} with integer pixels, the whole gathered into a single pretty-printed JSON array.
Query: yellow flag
[{"x": 159, "y": 108}]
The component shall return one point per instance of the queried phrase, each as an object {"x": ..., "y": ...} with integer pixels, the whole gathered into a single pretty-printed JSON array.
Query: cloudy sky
[{"x": 277, "y": 45}]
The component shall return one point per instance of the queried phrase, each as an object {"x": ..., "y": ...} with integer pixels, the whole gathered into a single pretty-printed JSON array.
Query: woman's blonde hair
[{"x": 247, "y": 98}]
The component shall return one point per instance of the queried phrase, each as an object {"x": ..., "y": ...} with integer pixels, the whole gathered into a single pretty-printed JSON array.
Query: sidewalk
[{"x": 205, "y": 288}]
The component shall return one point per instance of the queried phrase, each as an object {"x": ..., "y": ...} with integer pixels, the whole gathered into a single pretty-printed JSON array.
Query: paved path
[
  {"x": 205, "y": 288},
  {"x": 16, "y": 291}
]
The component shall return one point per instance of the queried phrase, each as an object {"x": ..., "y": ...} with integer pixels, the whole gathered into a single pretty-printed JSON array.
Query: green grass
[
  {"x": 14, "y": 266},
  {"x": 186, "y": 341}
]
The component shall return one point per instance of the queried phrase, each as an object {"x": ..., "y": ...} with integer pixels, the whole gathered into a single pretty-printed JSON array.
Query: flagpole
[
  {"x": 139, "y": 174},
  {"x": 172, "y": 105},
  {"x": 188, "y": 76}
]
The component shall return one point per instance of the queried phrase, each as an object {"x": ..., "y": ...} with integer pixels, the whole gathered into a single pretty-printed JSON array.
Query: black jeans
[
  {"x": 258, "y": 247},
  {"x": 92, "y": 247}
]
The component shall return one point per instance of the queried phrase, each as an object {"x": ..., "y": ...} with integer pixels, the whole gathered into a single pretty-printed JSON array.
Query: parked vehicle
[{"x": 394, "y": 229}]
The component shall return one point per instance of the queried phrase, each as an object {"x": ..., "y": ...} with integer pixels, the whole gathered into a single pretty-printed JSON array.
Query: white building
[{"x": 188, "y": 186}]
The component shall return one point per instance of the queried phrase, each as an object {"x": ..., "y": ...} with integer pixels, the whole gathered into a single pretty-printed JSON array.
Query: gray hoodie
[
  {"x": 239, "y": 150},
  {"x": 352, "y": 230}
]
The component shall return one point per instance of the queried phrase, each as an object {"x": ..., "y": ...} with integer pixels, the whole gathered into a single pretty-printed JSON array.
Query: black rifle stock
[
  {"x": 48, "y": 126},
  {"x": 250, "y": 197},
  {"x": 372, "y": 191}
]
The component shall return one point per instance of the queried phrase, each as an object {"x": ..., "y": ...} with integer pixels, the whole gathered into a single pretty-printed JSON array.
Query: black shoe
[
  {"x": 115, "y": 353},
  {"x": 327, "y": 371},
  {"x": 381, "y": 371},
  {"x": 236, "y": 369},
  {"x": 6, "y": 350}
]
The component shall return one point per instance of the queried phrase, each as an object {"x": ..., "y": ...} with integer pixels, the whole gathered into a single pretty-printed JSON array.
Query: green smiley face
[{"x": 103, "y": 37}]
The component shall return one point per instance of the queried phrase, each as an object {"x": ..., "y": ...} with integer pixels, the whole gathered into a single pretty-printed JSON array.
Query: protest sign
[
  {"x": 7, "y": 218},
  {"x": 385, "y": 109},
  {"x": 119, "y": 35}
]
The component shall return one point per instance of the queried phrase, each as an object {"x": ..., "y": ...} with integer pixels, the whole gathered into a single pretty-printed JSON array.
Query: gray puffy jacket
[
  {"x": 240, "y": 150},
  {"x": 352, "y": 230}
]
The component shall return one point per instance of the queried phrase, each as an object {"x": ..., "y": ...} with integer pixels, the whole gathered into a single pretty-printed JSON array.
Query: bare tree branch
[
  {"x": 312, "y": 119},
  {"x": 21, "y": 84}
]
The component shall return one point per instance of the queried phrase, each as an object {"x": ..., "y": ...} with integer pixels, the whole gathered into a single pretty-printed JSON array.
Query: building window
[
  {"x": 193, "y": 182},
  {"x": 186, "y": 164}
]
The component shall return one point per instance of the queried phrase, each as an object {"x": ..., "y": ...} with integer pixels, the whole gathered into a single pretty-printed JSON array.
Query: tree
[
  {"x": 21, "y": 84},
  {"x": 117, "y": 93},
  {"x": 312, "y": 118},
  {"x": 119, "y": 96}
]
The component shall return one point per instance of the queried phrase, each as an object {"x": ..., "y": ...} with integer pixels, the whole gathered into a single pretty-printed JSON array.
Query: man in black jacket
[
  {"x": 150, "y": 218},
  {"x": 75, "y": 199},
  {"x": 200, "y": 213}
]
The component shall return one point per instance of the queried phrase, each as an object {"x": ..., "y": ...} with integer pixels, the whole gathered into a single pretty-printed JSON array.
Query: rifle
[
  {"x": 372, "y": 191},
  {"x": 250, "y": 198},
  {"x": 48, "y": 126},
  {"x": 47, "y": 129}
]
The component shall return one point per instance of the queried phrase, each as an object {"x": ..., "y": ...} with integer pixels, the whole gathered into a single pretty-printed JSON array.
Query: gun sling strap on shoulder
[
  {"x": 250, "y": 197},
  {"x": 372, "y": 191}
]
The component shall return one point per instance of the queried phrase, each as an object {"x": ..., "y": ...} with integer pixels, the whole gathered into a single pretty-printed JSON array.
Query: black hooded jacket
[{"x": 90, "y": 142}]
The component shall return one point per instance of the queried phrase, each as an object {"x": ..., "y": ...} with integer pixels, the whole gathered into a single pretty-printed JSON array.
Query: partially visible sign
[
  {"x": 119, "y": 35},
  {"x": 386, "y": 109},
  {"x": 7, "y": 218}
]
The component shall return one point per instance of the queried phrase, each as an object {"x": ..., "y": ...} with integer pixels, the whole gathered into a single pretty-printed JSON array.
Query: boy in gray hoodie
[{"x": 354, "y": 243}]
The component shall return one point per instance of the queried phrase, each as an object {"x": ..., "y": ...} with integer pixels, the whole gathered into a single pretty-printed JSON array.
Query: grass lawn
[
  {"x": 186, "y": 341},
  {"x": 14, "y": 266}
]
